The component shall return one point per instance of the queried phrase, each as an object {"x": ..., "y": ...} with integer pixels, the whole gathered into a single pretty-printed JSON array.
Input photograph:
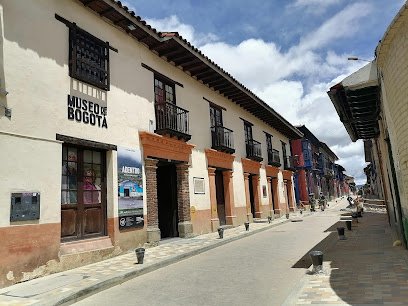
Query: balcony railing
[
  {"x": 274, "y": 158},
  {"x": 172, "y": 120},
  {"x": 288, "y": 163},
  {"x": 222, "y": 139},
  {"x": 253, "y": 150},
  {"x": 328, "y": 172}
]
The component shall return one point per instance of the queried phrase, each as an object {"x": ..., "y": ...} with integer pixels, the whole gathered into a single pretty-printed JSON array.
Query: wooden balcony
[
  {"x": 274, "y": 158},
  {"x": 172, "y": 121},
  {"x": 288, "y": 163},
  {"x": 222, "y": 139},
  {"x": 253, "y": 150}
]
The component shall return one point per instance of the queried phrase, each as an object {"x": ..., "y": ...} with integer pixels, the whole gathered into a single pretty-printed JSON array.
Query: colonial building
[
  {"x": 114, "y": 135},
  {"x": 372, "y": 105},
  {"x": 315, "y": 168}
]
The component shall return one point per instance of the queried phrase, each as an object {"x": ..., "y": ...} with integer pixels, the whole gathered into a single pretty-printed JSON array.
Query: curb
[{"x": 106, "y": 284}]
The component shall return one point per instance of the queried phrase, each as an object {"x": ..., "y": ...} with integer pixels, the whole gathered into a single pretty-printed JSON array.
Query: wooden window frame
[{"x": 165, "y": 82}]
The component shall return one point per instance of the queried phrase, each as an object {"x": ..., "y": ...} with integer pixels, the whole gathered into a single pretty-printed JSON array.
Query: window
[
  {"x": 284, "y": 150},
  {"x": 248, "y": 132},
  {"x": 163, "y": 91},
  {"x": 215, "y": 116},
  {"x": 268, "y": 142},
  {"x": 88, "y": 58}
]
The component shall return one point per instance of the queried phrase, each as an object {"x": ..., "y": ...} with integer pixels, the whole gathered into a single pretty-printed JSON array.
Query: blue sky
[{"x": 287, "y": 52}]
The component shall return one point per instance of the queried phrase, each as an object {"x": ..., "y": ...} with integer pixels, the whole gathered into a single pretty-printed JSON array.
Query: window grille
[{"x": 88, "y": 58}]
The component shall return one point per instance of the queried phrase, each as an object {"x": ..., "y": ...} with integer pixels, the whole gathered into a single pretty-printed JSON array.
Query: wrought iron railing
[
  {"x": 274, "y": 158},
  {"x": 253, "y": 150},
  {"x": 222, "y": 139},
  {"x": 172, "y": 120}
]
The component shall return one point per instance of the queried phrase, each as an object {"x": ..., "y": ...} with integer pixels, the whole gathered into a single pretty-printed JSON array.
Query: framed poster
[{"x": 130, "y": 188}]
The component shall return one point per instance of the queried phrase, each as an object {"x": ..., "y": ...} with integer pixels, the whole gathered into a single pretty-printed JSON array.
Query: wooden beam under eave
[
  {"x": 199, "y": 69},
  {"x": 88, "y": 2},
  {"x": 107, "y": 11},
  {"x": 211, "y": 79},
  {"x": 192, "y": 62},
  {"x": 119, "y": 21},
  {"x": 170, "y": 51},
  {"x": 222, "y": 86},
  {"x": 181, "y": 57},
  {"x": 218, "y": 81},
  {"x": 233, "y": 93}
]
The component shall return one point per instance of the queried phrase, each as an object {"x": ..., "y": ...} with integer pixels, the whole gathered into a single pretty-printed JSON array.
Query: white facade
[{"x": 34, "y": 70}]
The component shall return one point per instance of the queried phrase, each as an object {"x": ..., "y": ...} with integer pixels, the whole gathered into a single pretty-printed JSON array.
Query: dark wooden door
[
  {"x": 166, "y": 175},
  {"x": 83, "y": 193},
  {"x": 251, "y": 195},
  {"x": 219, "y": 190}
]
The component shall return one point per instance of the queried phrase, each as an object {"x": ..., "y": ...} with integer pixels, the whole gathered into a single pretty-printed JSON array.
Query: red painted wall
[{"x": 297, "y": 150}]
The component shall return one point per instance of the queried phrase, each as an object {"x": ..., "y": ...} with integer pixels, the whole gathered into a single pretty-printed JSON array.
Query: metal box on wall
[{"x": 25, "y": 206}]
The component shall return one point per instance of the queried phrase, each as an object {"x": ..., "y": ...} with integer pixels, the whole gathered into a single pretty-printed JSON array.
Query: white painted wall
[{"x": 34, "y": 59}]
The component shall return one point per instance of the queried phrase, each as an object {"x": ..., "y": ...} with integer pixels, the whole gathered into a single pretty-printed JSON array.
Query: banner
[{"x": 130, "y": 188}]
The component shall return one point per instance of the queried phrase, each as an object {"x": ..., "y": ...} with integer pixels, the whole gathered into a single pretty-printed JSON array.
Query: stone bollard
[
  {"x": 317, "y": 261},
  {"x": 340, "y": 232},
  {"x": 140, "y": 255},
  {"x": 220, "y": 232}
]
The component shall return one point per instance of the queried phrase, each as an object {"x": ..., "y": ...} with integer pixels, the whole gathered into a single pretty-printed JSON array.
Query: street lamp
[{"x": 355, "y": 58}]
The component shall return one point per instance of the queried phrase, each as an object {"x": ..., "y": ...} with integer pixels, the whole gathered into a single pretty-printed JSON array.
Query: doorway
[
  {"x": 287, "y": 196},
  {"x": 167, "y": 199},
  {"x": 273, "y": 193},
  {"x": 251, "y": 195},
  {"x": 219, "y": 189},
  {"x": 83, "y": 193}
]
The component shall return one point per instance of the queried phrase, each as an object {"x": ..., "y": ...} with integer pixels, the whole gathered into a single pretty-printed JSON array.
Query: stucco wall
[
  {"x": 36, "y": 76},
  {"x": 394, "y": 82}
]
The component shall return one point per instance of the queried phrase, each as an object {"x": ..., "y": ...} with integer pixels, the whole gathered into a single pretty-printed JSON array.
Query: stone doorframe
[
  {"x": 252, "y": 167},
  {"x": 272, "y": 178},
  {"x": 216, "y": 159},
  {"x": 287, "y": 176},
  {"x": 155, "y": 147}
]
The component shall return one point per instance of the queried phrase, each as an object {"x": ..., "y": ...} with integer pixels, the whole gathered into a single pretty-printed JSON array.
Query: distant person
[{"x": 350, "y": 200}]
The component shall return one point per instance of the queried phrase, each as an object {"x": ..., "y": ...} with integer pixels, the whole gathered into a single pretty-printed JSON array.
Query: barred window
[{"x": 88, "y": 58}]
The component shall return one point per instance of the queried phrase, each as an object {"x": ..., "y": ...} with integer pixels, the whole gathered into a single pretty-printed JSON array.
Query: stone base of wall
[
  {"x": 185, "y": 229},
  {"x": 153, "y": 236}
]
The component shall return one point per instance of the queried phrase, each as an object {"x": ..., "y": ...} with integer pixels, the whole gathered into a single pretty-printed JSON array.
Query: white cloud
[
  {"x": 294, "y": 82},
  {"x": 342, "y": 25},
  {"x": 315, "y": 7},
  {"x": 173, "y": 24}
]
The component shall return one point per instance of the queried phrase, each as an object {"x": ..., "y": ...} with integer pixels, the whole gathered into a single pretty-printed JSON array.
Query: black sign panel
[
  {"x": 130, "y": 221},
  {"x": 25, "y": 206}
]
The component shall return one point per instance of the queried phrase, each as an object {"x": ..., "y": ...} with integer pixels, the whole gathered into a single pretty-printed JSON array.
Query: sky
[{"x": 289, "y": 53}]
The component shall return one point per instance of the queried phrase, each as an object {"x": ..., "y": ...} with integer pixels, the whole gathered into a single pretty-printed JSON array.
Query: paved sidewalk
[
  {"x": 364, "y": 269},
  {"x": 71, "y": 285}
]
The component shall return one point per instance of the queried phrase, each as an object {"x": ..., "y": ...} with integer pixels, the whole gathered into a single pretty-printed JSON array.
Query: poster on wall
[{"x": 130, "y": 188}]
